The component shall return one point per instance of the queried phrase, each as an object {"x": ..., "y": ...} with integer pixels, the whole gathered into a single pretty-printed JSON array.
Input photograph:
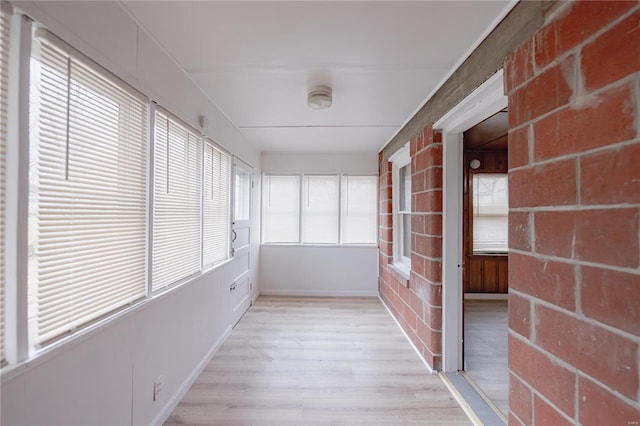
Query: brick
[
  {"x": 546, "y": 92},
  {"x": 599, "y": 407},
  {"x": 416, "y": 304},
  {"x": 429, "y": 246},
  {"x": 418, "y": 182},
  {"x": 427, "y": 135},
  {"x": 432, "y": 339},
  {"x": 520, "y": 315},
  {"x": 599, "y": 353},
  {"x": 548, "y": 378},
  {"x": 579, "y": 22},
  {"x": 434, "y": 157},
  {"x": 520, "y": 399},
  {"x": 433, "y": 224},
  {"x": 551, "y": 184},
  {"x": 611, "y": 297},
  {"x": 546, "y": 415},
  {"x": 433, "y": 271},
  {"x": 518, "y": 66},
  {"x": 551, "y": 281},
  {"x": 430, "y": 201},
  {"x": 590, "y": 122},
  {"x": 437, "y": 136},
  {"x": 433, "y": 317},
  {"x": 417, "y": 224},
  {"x": 518, "y": 147},
  {"x": 608, "y": 236},
  {"x": 519, "y": 231},
  {"x": 611, "y": 177},
  {"x": 421, "y": 161},
  {"x": 433, "y": 177},
  {"x": 613, "y": 55}
]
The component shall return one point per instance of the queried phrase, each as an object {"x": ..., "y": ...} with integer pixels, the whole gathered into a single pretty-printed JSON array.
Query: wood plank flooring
[
  {"x": 485, "y": 348},
  {"x": 317, "y": 361}
]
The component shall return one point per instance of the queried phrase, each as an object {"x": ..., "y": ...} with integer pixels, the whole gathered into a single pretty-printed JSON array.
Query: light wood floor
[
  {"x": 485, "y": 348},
  {"x": 317, "y": 361}
]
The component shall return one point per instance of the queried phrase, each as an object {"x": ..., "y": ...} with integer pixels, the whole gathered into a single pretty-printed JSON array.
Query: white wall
[
  {"x": 105, "y": 376},
  {"x": 319, "y": 270}
]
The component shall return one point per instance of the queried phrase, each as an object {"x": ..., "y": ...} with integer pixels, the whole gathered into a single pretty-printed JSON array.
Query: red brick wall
[
  {"x": 418, "y": 306},
  {"x": 574, "y": 272}
]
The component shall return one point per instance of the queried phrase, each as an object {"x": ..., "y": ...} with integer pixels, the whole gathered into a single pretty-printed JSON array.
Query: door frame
[{"x": 482, "y": 103}]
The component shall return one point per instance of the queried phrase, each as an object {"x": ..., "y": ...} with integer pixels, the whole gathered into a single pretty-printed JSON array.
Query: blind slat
[
  {"x": 4, "y": 66},
  {"x": 88, "y": 193}
]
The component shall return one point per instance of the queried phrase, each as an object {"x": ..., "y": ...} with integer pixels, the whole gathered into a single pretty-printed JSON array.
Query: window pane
[
  {"x": 406, "y": 235},
  {"x": 405, "y": 188},
  {"x": 242, "y": 195},
  {"x": 490, "y": 212},
  {"x": 87, "y": 210},
  {"x": 4, "y": 56},
  {"x": 215, "y": 208},
  {"x": 359, "y": 201},
  {"x": 320, "y": 210},
  {"x": 176, "y": 210},
  {"x": 281, "y": 214}
]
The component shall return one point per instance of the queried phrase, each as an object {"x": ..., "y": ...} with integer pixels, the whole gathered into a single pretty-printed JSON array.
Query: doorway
[
  {"x": 483, "y": 103},
  {"x": 485, "y": 255}
]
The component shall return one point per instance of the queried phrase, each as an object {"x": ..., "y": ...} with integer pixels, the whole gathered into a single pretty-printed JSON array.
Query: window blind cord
[{"x": 68, "y": 130}]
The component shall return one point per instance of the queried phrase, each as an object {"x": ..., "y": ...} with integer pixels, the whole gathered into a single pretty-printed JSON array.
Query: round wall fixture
[
  {"x": 320, "y": 97},
  {"x": 474, "y": 164}
]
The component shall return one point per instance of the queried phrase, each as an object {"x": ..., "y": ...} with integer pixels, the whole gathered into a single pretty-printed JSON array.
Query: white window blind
[
  {"x": 216, "y": 195},
  {"x": 358, "y": 209},
  {"x": 4, "y": 65},
  {"x": 87, "y": 218},
  {"x": 176, "y": 212},
  {"x": 320, "y": 209},
  {"x": 281, "y": 212},
  {"x": 490, "y": 213}
]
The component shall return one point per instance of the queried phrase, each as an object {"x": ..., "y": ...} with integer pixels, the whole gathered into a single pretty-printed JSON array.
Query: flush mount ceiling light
[{"x": 320, "y": 97}]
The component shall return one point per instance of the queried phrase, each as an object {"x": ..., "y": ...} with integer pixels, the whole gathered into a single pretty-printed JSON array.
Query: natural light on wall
[{"x": 490, "y": 213}]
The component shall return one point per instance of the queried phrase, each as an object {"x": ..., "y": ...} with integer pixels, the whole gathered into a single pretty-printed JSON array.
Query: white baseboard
[
  {"x": 318, "y": 293},
  {"x": 182, "y": 391},
  {"x": 486, "y": 296},
  {"x": 424, "y": 361}
]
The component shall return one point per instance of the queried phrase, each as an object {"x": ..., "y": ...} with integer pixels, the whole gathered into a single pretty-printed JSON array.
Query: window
[
  {"x": 320, "y": 210},
  {"x": 215, "y": 208},
  {"x": 4, "y": 66},
  {"x": 332, "y": 209},
  {"x": 281, "y": 212},
  {"x": 401, "y": 195},
  {"x": 490, "y": 213},
  {"x": 176, "y": 210},
  {"x": 242, "y": 202},
  {"x": 358, "y": 209},
  {"x": 87, "y": 214}
]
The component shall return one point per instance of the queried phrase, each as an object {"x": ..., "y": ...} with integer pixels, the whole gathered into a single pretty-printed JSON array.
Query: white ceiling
[{"x": 257, "y": 60}]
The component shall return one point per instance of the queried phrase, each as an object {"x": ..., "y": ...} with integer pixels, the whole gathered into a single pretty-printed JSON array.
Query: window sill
[{"x": 401, "y": 272}]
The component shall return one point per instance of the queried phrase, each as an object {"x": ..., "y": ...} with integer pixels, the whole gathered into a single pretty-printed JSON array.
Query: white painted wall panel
[
  {"x": 318, "y": 270},
  {"x": 365, "y": 163}
]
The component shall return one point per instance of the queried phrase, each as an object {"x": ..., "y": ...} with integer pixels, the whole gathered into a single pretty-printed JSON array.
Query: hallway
[{"x": 317, "y": 361}]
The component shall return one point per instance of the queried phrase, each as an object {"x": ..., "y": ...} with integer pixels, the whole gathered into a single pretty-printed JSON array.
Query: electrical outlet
[{"x": 157, "y": 388}]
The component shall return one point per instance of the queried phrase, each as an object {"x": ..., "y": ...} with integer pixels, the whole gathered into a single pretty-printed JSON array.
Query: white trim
[
  {"x": 486, "y": 296},
  {"x": 399, "y": 159},
  {"x": 424, "y": 361},
  {"x": 483, "y": 102},
  {"x": 452, "y": 260},
  {"x": 164, "y": 414},
  {"x": 488, "y": 98},
  {"x": 318, "y": 293}
]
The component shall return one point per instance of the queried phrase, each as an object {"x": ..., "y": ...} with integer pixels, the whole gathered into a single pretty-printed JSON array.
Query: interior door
[{"x": 240, "y": 287}]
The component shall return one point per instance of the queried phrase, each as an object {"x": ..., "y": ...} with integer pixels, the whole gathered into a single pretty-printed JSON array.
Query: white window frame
[{"x": 401, "y": 263}]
